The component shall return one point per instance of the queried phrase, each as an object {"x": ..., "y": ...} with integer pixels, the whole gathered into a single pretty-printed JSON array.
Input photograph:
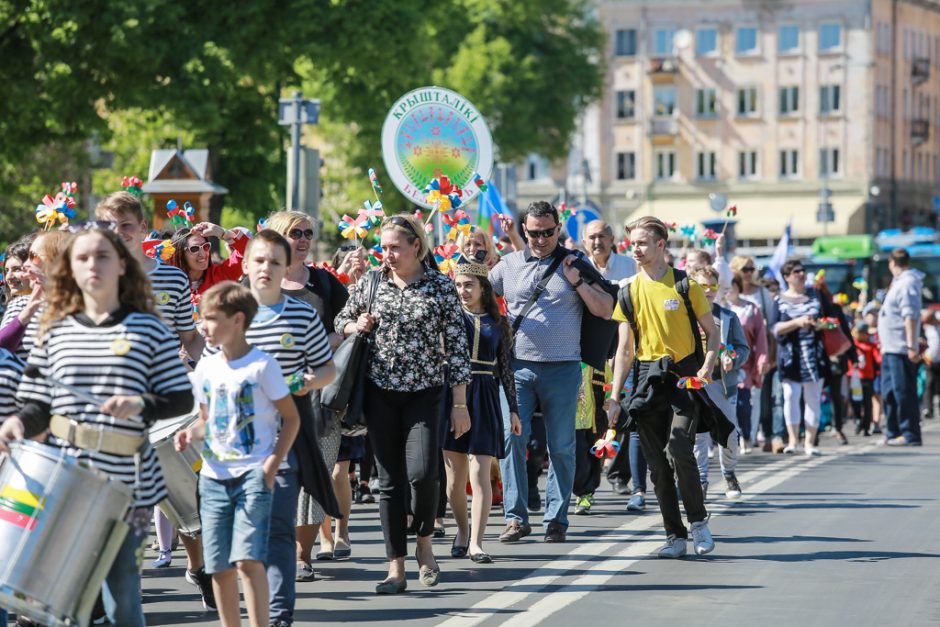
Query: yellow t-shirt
[{"x": 661, "y": 316}]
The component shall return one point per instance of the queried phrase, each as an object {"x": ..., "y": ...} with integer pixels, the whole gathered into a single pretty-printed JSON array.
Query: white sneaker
[
  {"x": 674, "y": 548},
  {"x": 812, "y": 451},
  {"x": 702, "y": 538},
  {"x": 789, "y": 449}
]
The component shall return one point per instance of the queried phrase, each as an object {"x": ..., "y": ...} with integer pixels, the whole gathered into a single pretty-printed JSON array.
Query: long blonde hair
[
  {"x": 464, "y": 240},
  {"x": 63, "y": 296}
]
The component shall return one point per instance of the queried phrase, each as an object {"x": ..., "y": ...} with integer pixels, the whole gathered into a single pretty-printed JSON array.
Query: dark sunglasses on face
[
  {"x": 542, "y": 234},
  {"x": 195, "y": 248},
  {"x": 798, "y": 271},
  {"x": 748, "y": 269},
  {"x": 298, "y": 233}
]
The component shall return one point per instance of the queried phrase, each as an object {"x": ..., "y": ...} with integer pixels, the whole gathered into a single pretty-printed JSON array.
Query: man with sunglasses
[{"x": 546, "y": 362}]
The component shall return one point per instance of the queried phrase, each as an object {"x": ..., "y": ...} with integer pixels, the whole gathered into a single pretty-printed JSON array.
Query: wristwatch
[{"x": 579, "y": 283}]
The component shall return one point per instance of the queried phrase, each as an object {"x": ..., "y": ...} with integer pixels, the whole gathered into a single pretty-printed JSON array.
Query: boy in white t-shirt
[{"x": 241, "y": 392}]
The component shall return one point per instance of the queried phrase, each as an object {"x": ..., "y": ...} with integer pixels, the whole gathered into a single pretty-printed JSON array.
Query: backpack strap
[
  {"x": 683, "y": 287},
  {"x": 625, "y": 300},
  {"x": 539, "y": 288}
]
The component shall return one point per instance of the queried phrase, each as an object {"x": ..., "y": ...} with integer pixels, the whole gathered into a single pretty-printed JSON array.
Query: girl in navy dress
[{"x": 489, "y": 337}]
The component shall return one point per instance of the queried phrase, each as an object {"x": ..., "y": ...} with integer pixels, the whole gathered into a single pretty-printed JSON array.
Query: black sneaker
[
  {"x": 203, "y": 583},
  {"x": 733, "y": 491},
  {"x": 535, "y": 500},
  {"x": 364, "y": 494},
  {"x": 555, "y": 532},
  {"x": 620, "y": 487}
]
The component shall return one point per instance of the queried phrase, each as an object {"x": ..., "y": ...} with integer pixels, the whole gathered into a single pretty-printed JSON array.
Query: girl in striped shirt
[{"x": 99, "y": 333}]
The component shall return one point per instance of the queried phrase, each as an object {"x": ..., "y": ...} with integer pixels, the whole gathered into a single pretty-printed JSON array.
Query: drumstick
[{"x": 33, "y": 372}]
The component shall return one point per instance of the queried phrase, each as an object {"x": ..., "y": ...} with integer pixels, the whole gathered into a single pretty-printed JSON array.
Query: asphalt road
[{"x": 849, "y": 538}]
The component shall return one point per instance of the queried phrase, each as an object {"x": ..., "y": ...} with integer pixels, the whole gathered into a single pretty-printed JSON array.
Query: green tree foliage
[{"x": 144, "y": 74}]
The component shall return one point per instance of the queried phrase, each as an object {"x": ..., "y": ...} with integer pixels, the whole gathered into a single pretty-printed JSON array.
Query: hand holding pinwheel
[{"x": 691, "y": 383}]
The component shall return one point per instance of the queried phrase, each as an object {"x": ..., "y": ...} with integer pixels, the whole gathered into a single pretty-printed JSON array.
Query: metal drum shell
[
  {"x": 50, "y": 554},
  {"x": 179, "y": 473}
]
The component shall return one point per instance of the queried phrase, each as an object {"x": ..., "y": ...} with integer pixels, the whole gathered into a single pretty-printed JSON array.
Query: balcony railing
[
  {"x": 663, "y": 128},
  {"x": 920, "y": 131},
  {"x": 920, "y": 70},
  {"x": 663, "y": 69}
]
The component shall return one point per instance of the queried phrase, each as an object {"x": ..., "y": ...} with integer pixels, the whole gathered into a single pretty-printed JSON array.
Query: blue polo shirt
[{"x": 551, "y": 331}]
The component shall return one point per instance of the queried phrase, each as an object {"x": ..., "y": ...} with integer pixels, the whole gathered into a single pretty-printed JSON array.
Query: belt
[{"x": 95, "y": 437}]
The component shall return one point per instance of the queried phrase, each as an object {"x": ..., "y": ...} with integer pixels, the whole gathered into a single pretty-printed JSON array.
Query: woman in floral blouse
[{"x": 417, "y": 324}]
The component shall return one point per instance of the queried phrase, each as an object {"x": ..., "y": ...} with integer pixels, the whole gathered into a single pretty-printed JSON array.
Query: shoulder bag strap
[
  {"x": 539, "y": 288},
  {"x": 682, "y": 286}
]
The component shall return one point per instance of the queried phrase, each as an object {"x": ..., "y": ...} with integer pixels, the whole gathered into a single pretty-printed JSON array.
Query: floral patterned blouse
[{"x": 407, "y": 353}]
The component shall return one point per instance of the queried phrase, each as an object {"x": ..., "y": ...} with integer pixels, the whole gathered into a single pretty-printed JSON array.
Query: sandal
[
  {"x": 305, "y": 572},
  {"x": 481, "y": 558}
]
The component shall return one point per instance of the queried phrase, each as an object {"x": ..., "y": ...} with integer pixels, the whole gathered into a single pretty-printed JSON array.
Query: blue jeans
[
  {"x": 743, "y": 408},
  {"x": 899, "y": 390},
  {"x": 637, "y": 463},
  {"x": 121, "y": 590},
  {"x": 554, "y": 387},
  {"x": 282, "y": 547}
]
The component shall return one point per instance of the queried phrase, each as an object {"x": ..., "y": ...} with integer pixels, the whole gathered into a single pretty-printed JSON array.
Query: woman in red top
[{"x": 193, "y": 256}]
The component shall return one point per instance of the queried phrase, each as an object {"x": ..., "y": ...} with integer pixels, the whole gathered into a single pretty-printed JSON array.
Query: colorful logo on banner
[
  {"x": 20, "y": 507},
  {"x": 431, "y": 132}
]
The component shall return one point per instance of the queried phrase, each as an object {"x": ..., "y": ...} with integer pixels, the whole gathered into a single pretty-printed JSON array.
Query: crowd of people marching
[{"x": 523, "y": 353}]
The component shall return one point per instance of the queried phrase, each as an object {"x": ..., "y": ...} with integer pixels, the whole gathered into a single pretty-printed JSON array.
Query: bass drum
[
  {"x": 61, "y": 525},
  {"x": 180, "y": 473}
]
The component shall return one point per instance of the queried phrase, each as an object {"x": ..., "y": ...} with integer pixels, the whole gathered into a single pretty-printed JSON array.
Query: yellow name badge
[
  {"x": 120, "y": 347},
  {"x": 162, "y": 298},
  {"x": 287, "y": 340}
]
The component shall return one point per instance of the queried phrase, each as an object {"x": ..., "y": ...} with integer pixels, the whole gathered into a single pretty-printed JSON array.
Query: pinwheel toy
[
  {"x": 442, "y": 195},
  {"x": 374, "y": 212},
  {"x": 709, "y": 237},
  {"x": 732, "y": 211},
  {"x": 479, "y": 182},
  {"x": 691, "y": 383},
  {"x": 860, "y": 284},
  {"x": 608, "y": 388},
  {"x": 607, "y": 446},
  {"x": 376, "y": 188},
  {"x": 820, "y": 276},
  {"x": 354, "y": 228},
  {"x": 565, "y": 212},
  {"x": 624, "y": 245},
  {"x": 262, "y": 224},
  {"x": 827, "y": 324},
  {"x": 342, "y": 277},
  {"x": 60, "y": 209},
  {"x": 180, "y": 216},
  {"x": 672, "y": 226},
  {"x": 841, "y": 299},
  {"x": 133, "y": 185},
  {"x": 375, "y": 256},
  {"x": 727, "y": 350},
  {"x": 457, "y": 224},
  {"x": 445, "y": 256},
  {"x": 69, "y": 190},
  {"x": 295, "y": 382},
  {"x": 162, "y": 249},
  {"x": 688, "y": 231}
]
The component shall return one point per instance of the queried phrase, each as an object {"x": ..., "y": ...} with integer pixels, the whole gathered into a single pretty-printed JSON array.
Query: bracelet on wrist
[{"x": 460, "y": 405}]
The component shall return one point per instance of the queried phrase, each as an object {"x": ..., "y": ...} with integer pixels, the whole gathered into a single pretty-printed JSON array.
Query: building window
[
  {"x": 830, "y": 99},
  {"x": 626, "y": 104},
  {"x": 625, "y": 42},
  {"x": 664, "y": 101},
  {"x": 537, "y": 168},
  {"x": 662, "y": 42},
  {"x": 829, "y": 163},
  {"x": 788, "y": 39},
  {"x": 706, "y": 41},
  {"x": 626, "y": 166},
  {"x": 707, "y": 166},
  {"x": 745, "y": 41},
  {"x": 830, "y": 37},
  {"x": 789, "y": 100},
  {"x": 789, "y": 163},
  {"x": 665, "y": 165},
  {"x": 706, "y": 103},
  {"x": 747, "y": 164},
  {"x": 747, "y": 101}
]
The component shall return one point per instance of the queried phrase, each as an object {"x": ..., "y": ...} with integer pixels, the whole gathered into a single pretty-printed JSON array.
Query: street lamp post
[{"x": 295, "y": 112}]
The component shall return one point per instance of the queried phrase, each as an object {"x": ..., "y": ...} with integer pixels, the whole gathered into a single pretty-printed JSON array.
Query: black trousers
[
  {"x": 931, "y": 387},
  {"x": 667, "y": 440},
  {"x": 767, "y": 407},
  {"x": 863, "y": 409},
  {"x": 834, "y": 383},
  {"x": 403, "y": 429}
]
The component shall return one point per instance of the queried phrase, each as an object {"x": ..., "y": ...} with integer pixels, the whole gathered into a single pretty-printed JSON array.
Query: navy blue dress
[{"x": 491, "y": 367}]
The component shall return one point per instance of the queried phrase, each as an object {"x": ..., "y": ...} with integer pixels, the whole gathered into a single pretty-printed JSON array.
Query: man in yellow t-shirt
[{"x": 666, "y": 418}]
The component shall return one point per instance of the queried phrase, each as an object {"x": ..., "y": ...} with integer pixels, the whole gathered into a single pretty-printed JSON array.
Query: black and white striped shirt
[
  {"x": 173, "y": 297},
  {"x": 295, "y": 338},
  {"x": 11, "y": 369},
  {"x": 132, "y": 356}
]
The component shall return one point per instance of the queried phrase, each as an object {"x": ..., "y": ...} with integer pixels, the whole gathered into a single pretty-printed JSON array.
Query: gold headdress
[{"x": 471, "y": 268}]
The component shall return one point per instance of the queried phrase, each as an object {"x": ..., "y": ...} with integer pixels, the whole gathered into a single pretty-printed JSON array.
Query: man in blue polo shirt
[{"x": 546, "y": 362}]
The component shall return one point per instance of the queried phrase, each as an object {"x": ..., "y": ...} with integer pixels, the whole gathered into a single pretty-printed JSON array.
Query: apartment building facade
[{"x": 818, "y": 114}]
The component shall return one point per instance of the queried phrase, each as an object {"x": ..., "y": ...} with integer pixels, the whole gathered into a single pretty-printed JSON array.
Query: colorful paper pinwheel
[
  {"x": 133, "y": 185},
  {"x": 374, "y": 212},
  {"x": 688, "y": 231},
  {"x": 727, "y": 350},
  {"x": 624, "y": 245},
  {"x": 841, "y": 299},
  {"x": 607, "y": 446},
  {"x": 672, "y": 226},
  {"x": 180, "y": 216},
  {"x": 860, "y": 284},
  {"x": 374, "y": 179},
  {"x": 60, "y": 209},
  {"x": 262, "y": 224},
  {"x": 479, "y": 182},
  {"x": 691, "y": 383},
  {"x": 709, "y": 237},
  {"x": 457, "y": 224},
  {"x": 442, "y": 194},
  {"x": 162, "y": 249},
  {"x": 732, "y": 211},
  {"x": 445, "y": 256},
  {"x": 354, "y": 228},
  {"x": 376, "y": 256},
  {"x": 819, "y": 277},
  {"x": 565, "y": 212},
  {"x": 827, "y": 324}
]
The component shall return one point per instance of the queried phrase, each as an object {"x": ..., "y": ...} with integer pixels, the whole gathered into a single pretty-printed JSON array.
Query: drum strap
[{"x": 95, "y": 438}]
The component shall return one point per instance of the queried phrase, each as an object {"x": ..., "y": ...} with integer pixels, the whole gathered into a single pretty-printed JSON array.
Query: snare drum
[
  {"x": 61, "y": 525},
  {"x": 179, "y": 472}
]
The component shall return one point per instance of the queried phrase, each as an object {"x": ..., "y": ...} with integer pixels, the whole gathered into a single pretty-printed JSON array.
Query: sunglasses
[
  {"x": 748, "y": 269},
  {"x": 798, "y": 271},
  {"x": 542, "y": 234},
  {"x": 299, "y": 233},
  {"x": 195, "y": 248},
  {"x": 712, "y": 287},
  {"x": 92, "y": 225}
]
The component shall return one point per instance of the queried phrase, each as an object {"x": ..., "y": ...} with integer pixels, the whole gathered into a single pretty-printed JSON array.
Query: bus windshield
[{"x": 930, "y": 266}]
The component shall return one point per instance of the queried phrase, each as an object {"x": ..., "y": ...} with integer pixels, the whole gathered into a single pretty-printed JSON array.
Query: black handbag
[{"x": 347, "y": 391}]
